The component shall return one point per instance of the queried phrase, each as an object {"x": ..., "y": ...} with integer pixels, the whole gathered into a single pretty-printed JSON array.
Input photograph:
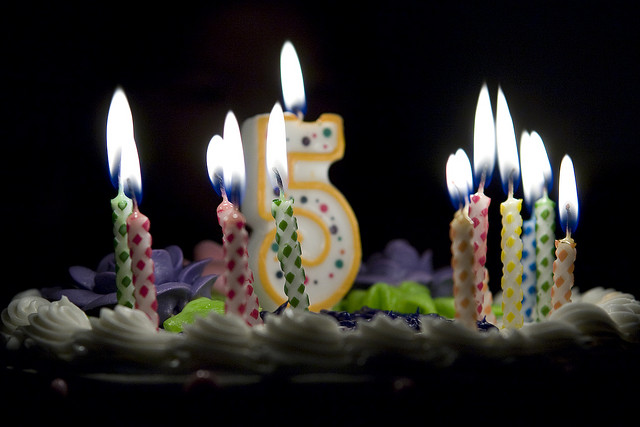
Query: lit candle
[
  {"x": 138, "y": 236},
  {"x": 544, "y": 210},
  {"x": 459, "y": 184},
  {"x": 529, "y": 186},
  {"x": 325, "y": 217},
  {"x": 225, "y": 164},
  {"x": 511, "y": 243},
  {"x": 565, "y": 248},
  {"x": 119, "y": 135},
  {"x": 289, "y": 250},
  {"x": 484, "y": 153}
]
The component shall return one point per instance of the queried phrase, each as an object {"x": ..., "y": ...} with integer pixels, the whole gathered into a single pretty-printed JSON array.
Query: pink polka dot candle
[
  {"x": 484, "y": 153},
  {"x": 226, "y": 168}
]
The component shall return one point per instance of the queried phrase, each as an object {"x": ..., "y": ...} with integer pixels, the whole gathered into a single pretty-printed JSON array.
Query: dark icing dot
[
  {"x": 306, "y": 141},
  {"x": 279, "y": 275},
  {"x": 326, "y": 132},
  {"x": 339, "y": 263},
  {"x": 333, "y": 229},
  {"x": 303, "y": 199}
]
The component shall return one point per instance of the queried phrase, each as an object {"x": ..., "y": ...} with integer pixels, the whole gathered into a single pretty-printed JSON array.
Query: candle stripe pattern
[
  {"x": 563, "y": 272},
  {"x": 237, "y": 278},
  {"x": 479, "y": 214},
  {"x": 290, "y": 253},
  {"x": 142, "y": 265},
  {"x": 511, "y": 265},
  {"x": 462, "y": 262},
  {"x": 544, "y": 211},
  {"x": 529, "y": 290},
  {"x": 121, "y": 209}
]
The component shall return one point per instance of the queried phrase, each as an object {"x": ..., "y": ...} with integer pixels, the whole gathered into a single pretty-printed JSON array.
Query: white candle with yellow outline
[
  {"x": 566, "y": 248},
  {"x": 328, "y": 228},
  {"x": 511, "y": 243}
]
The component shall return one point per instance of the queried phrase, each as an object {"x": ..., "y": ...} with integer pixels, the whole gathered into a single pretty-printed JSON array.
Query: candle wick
[
  {"x": 510, "y": 193},
  {"x": 279, "y": 182},
  {"x": 483, "y": 177}
]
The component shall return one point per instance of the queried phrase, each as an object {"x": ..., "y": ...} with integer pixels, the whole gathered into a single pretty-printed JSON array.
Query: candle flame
[
  {"x": 567, "y": 196},
  {"x": 536, "y": 169},
  {"x": 277, "y": 167},
  {"x": 231, "y": 156},
  {"x": 484, "y": 139},
  {"x": 122, "y": 154},
  {"x": 459, "y": 178},
  {"x": 507, "y": 148},
  {"x": 215, "y": 161},
  {"x": 291, "y": 79}
]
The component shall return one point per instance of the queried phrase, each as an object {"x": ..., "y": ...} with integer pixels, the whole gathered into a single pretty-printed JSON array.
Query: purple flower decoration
[
  {"x": 401, "y": 262},
  {"x": 176, "y": 283}
]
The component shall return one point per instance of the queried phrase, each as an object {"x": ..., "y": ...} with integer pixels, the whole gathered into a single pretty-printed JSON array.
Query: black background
[{"x": 404, "y": 75}]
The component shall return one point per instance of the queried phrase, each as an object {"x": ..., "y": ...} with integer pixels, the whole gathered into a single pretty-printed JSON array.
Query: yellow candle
[
  {"x": 511, "y": 263},
  {"x": 511, "y": 243}
]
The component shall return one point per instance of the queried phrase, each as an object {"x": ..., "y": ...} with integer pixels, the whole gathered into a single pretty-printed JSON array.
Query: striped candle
[
  {"x": 545, "y": 236},
  {"x": 237, "y": 278},
  {"x": 511, "y": 263},
  {"x": 142, "y": 264},
  {"x": 121, "y": 206},
  {"x": 462, "y": 262},
  {"x": 289, "y": 252},
  {"x": 479, "y": 214},
  {"x": 529, "y": 269},
  {"x": 563, "y": 272}
]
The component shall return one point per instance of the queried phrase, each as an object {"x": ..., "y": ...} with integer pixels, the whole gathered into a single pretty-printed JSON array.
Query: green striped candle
[
  {"x": 544, "y": 211},
  {"x": 289, "y": 252},
  {"x": 122, "y": 207}
]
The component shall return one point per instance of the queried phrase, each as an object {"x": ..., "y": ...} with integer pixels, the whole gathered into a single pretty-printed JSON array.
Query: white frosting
[
  {"x": 52, "y": 327},
  {"x": 304, "y": 339},
  {"x": 129, "y": 334},
  {"x": 18, "y": 311},
  {"x": 384, "y": 335},
  {"x": 218, "y": 339},
  {"x": 298, "y": 337}
]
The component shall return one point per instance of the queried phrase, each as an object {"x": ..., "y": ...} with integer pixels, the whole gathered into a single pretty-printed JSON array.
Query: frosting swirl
[
  {"x": 53, "y": 325},
  {"x": 299, "y": 337},
  {"x": 127, "y": 334},
  {"x": 218, "y": 339}
]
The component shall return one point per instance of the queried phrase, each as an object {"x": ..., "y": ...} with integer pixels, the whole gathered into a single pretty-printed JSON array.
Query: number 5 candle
[
  {"x": 511, "y": 243},
  {"x": 325, "y": 218},
  {"x": 565, "y": 248}
]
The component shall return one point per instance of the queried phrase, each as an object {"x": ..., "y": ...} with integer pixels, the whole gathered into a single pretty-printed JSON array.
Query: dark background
[{"x": 404, "y": 75}]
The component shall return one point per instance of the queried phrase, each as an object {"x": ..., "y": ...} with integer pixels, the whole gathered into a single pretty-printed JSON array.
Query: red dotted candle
[
  {"x": 237, "y": 278},
  {"x": 142, "y": 266},
  {"x": 479, "y": 214}
]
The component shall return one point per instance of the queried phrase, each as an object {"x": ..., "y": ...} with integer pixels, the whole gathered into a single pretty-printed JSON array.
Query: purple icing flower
[
  {"x": 176, "y": 283},
  {"x": 401, "y": 262}
]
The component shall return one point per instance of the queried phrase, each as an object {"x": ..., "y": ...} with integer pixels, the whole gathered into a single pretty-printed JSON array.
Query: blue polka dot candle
[{"x": 327, "y": 227}]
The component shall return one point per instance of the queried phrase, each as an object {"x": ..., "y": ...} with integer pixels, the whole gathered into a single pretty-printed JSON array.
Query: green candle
[
  {"x": 289, "y": 252},
  {"x": 545, "y": 247},
  {"x": 122, "y": 207}
]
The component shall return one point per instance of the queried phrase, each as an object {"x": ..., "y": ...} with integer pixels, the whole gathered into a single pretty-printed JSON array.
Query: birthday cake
[{"x": 399, "y": 332}]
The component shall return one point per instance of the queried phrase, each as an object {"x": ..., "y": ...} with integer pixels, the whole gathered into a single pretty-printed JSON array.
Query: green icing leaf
[
  {"x": 198, "y": 307},
  {"x": 405, "y": 298}
]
